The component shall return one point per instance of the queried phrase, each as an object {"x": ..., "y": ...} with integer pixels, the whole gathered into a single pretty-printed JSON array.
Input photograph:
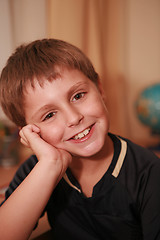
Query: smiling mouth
[{"x": 82, "y": 134}]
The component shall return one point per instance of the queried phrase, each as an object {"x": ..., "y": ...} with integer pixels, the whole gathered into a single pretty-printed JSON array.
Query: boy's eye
[
  {"x": 51, "y": 114},
  {"x": 78, "y": 96}
]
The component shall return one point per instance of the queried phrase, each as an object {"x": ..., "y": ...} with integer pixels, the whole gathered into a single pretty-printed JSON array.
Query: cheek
[
  {"x": 101, "y": 113},
  {"x": 99, "y": 107},
  {"x": 52, "y": 134}
]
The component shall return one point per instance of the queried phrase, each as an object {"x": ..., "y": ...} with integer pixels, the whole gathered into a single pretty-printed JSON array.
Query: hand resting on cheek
[{"x": 30, "y": 137}]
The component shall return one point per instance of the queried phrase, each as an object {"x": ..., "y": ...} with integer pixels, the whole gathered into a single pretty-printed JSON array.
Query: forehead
[
  {"x": 58, "y": 72},
  {"x": 61, "y": 79}
]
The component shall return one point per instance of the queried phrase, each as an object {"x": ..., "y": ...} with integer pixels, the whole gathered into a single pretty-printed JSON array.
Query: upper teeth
[{"x": 82, "y": 134}]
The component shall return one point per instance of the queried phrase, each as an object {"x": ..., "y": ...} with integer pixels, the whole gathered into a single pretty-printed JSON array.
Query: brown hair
[{"x": 36, "y": 60}]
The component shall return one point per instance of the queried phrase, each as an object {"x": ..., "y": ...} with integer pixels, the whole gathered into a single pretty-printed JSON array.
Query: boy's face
[{"x": 70, "y": 113}]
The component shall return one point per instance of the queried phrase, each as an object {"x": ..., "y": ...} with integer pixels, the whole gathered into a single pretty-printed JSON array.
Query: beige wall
[
  {"x": 29, "y": 20},
  {"x": 6, "y": 44}
]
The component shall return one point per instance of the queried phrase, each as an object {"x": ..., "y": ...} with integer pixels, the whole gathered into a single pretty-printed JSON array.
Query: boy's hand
[{"x": 30, "y": 137}]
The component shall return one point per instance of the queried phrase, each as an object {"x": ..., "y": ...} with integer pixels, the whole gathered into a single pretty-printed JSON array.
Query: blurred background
[{"x": 121, "y": 37}]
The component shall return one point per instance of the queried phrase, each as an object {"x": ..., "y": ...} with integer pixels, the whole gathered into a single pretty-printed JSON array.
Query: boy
[{"x": 93, "y": 184}]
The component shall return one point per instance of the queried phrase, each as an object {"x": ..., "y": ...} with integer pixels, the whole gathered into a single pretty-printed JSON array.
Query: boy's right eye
[{"x": 48, "y": 116}]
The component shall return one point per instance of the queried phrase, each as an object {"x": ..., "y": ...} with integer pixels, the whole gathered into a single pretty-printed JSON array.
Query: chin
[{"x": 90, "y": 150}]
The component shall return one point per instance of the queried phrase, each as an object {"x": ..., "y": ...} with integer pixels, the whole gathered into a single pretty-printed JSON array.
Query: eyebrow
[
  {"x": 41, "y": 110},
  {"x": 75, "y": 86}
]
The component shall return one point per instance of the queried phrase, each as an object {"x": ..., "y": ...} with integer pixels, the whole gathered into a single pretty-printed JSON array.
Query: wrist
[{"x": 50, "y": 169}]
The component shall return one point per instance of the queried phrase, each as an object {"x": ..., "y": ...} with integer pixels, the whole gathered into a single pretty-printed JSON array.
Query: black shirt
[{"x": 125, "y": 203}]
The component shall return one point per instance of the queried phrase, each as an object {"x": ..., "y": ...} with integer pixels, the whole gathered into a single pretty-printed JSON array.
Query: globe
[{"x": 148, "y": 107}]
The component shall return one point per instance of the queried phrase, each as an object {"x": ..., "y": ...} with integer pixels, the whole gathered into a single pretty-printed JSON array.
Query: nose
[{"x": 73, "y": 116}]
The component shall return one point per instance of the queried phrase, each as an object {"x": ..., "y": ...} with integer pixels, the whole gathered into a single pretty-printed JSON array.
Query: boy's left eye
[{"x": 78, "y": 96}]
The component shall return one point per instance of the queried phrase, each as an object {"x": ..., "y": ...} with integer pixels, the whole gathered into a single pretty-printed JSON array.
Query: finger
[
  {"x": 24, "y": 142},
  {"x": 23, "y": 139},
  {"x": 31, "y": 137},
  {"x": 28, "y": 133}
]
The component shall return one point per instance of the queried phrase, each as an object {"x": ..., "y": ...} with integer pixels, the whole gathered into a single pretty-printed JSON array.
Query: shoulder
[
  {"x": 139, "y": 156},
  {"x": 140, "y": 169},
  {"x": 138, "y": 163}
]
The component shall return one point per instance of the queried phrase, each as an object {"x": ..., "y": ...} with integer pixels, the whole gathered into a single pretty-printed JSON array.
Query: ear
[{"x": 101, "y": 89}]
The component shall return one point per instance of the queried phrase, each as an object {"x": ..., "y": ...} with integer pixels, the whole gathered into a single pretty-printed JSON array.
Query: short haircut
[{"x": 37, "y": 59}]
